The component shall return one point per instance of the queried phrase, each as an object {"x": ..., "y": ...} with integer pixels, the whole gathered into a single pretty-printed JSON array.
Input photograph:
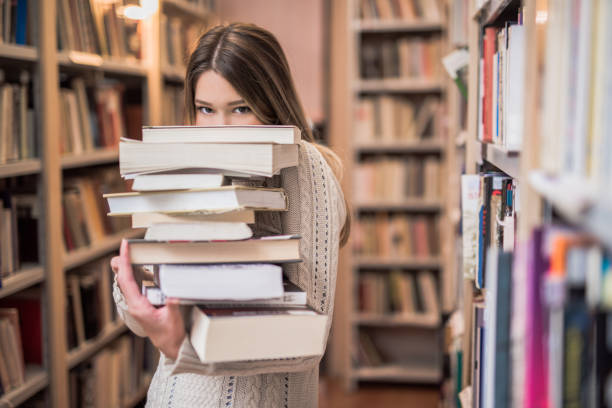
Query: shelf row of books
[
  {"x": 396, "y": 236},
  {"x": 407, "y": 57},
  {"x": 89, "y": 307},
  {"x": 84, "y": 210},
  {"x": 392, "y": 119},
  {"x": 115, "y": 375},
  {"x": 173, "y": 112},
  {"x": 199, "y": 247},
  {"x": 398, "y": 179},
  {"x": 95, "y": 118},
  {"x": 98, "y": 28},
  {"x": 18, "y": 231},
  {"x": 17, "y": 119},
  {"x": 502, "y": 85},
  {"x": 398, "y": 293},
  {"x": 403, "y": 10},
  {"x": 178, "y": 36},
  {"x": 17, "y": 23}
]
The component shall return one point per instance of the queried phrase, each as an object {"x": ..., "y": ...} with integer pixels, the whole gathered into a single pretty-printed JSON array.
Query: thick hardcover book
[
  {"x": 222, "y": 335},
  {"x": 144, "y": 220},
  {"x": 273, "y": 249},
  {"x": 263, "y": 159},
  {"x": 221, "y": 134}
]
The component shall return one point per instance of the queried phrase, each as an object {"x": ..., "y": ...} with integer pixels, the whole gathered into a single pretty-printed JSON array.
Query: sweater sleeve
[
  {"x": 122, "y": 311},
  {"x": 317, "y": 213}
]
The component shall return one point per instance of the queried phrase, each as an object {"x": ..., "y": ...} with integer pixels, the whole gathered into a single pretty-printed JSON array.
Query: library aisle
[{"x": 476, "y": 148}]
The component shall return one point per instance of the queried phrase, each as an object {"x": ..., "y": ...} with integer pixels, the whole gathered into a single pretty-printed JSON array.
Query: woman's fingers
[
  {"x": 128, "y": 285},
  {"x": 114, "y": 263}
]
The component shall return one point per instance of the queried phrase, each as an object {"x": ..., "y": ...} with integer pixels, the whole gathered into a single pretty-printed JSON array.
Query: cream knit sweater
[{"x": 317, "y": 212}]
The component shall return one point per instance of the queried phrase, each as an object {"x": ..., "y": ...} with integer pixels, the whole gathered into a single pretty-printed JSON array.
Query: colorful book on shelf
[
  {"x": 274, "y": 249},
  {"x": 221, "y": 134},
  {"x": 263, "y": 159},
  {"x": 223, "y": 335},
  {"x": 222, "y": 199}
]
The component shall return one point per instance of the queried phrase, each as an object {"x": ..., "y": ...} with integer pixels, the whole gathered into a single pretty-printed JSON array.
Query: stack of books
[{"x": 190, "y": 193}]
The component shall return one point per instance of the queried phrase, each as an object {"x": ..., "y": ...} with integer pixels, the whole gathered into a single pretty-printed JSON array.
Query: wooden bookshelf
[
  {"x": 398, "y": 85},
  {"x": 93, "y": 158},
  {"x": 174, "y": 74},
  {"x": 397, "y": 373},
  {"x": 18, "y": 52},
  {"x": 500, "y": 157},
  {"x": 418, "y": 146},
  {"x": 91, "y": 347},
  {"x": 24, "y": 278},
  {"x": 20, "y": 168},
  {"x": 397, "y": 262},
  {"x": 48, "y": 68},
  {"x": 348, "y": 33},
  {"x": 97, "y": 249},
  {"x": 394, "y": 320},
  {"x": 36, "y": 379},
  {"x": 386, "y": 26}
]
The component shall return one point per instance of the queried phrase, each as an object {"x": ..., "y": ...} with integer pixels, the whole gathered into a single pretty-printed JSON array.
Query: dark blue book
[
  {"x": 502, "y": 338},
  {"x": 22, "y": 18}
]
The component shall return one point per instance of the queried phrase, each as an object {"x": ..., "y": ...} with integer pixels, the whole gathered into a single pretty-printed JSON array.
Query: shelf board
[
  {"x": 92, "y": 158},
  {"x": 18, "y": 52},
  {"x": 397, "y": 373},
  {"x": 385, "y": 26},
  {"x": 23, "y": 278},
  {"x": 397, "y": 262},
  {"x": 186, "y": 9},
  {"x": 20, "y": 168},
  {"x": 411, "y": 146},
  {"x": 36, "y": 379},
  {"x": 139, "y": 395},
  {"x": 398, "y": 320},
  {"x": 83, "y": 255},
  {"x": 174, "y": 74},
  {"x": 589, "y": 209},
  {"x": 398, "y": 85},
  {"x": 404, "y": 205},
  {"x": 507, "y": 161},
  {"x": 90, "y": 347},
  {"x": 75, "y": 59}
]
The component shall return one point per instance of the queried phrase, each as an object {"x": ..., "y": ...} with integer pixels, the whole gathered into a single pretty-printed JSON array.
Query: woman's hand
[{"x": 164, "y": 326}]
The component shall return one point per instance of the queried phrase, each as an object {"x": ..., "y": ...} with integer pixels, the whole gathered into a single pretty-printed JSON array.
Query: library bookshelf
[
  {"x": 350, "y": 88},
  {"x": 48, "y": 67},
  {"x": 554, "y": 195}
]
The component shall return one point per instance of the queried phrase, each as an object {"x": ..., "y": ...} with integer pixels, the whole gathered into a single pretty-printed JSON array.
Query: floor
[{"x": 332, "y": 395}]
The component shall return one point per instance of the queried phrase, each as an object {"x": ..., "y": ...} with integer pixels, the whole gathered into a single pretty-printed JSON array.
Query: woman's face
[{"x": 218, "y": 103}]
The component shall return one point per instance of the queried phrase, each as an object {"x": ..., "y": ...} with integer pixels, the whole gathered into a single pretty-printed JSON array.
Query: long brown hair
[{"x": 252, "y": 60}]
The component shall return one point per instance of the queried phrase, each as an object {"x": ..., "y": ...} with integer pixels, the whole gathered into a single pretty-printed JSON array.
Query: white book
[
  {"x": 259, "y": 159},
  {"x": 200, "y": 231},
  {"x": 176, "y": 181},
  {"x": 219, "y": 199},
  {"x": 222, "y": 134},
  {"x": 514, "y": 105},
  {"x": 221, "y": 281},
  {"x": 222, "y": 335}
]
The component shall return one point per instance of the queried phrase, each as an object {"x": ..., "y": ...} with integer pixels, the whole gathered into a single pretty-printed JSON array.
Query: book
[
  {"x": 293, "y": 296},
  {"x": 144, "y": 220},
  {"x": 262, "y": 159},
  {"x": 220, "y": 199},
  {"x": 180, "y": 180},
  {"x": 275, "y": 249},
  {"x": 223, "y": 335},
  {"x": 221, "y": 281},
  {"x": 200, "y": 231},
  {"x": 221, "y": 134}
]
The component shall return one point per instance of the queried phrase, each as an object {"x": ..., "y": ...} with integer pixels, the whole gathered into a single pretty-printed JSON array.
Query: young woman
[{"x": 238, "y": 75}]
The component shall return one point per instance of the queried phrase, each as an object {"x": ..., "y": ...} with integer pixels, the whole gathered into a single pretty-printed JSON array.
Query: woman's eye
[
  {"x": 205, "y": 110},
  {"x": 242, "y": 110}
]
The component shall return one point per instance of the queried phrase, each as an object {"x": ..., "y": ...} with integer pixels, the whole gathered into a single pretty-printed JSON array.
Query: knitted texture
[{"x": 317, "y": 213}]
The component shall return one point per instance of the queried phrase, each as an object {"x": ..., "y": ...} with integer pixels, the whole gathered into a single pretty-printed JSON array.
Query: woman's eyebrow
[
  {"x": 202, "y": 102},
  {"x": 238, "y": 102}
]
